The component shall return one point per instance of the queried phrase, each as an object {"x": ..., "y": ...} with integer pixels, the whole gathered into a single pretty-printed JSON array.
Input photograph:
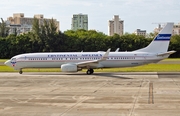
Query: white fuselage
[{"x": 55, "y": 60}]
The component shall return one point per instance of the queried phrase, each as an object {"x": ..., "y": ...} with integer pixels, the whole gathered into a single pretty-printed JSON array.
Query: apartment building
[
  {"x": 116, "y": 25},
  {"x": 79, "y": 21},
  {"x": 140, "y": 32},
  {"x": 23, "y": 24}
]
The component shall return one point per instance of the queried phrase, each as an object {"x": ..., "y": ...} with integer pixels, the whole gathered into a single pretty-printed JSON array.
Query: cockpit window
[{"x": 13, "y": 58}]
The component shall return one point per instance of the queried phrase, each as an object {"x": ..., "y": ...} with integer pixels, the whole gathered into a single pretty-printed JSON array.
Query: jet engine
[{"x": 69, "y": 68}]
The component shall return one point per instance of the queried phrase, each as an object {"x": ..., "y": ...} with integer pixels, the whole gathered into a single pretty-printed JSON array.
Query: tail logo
[{"x": 163, "y": 37}]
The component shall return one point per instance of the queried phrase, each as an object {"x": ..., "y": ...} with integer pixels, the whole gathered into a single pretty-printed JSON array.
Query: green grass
[
  {"x": 144, "y": 68},
  {"x": 3, "y": 60},
  {"x": 4, "y": 68},
  {"x": 172, "y": 59}
]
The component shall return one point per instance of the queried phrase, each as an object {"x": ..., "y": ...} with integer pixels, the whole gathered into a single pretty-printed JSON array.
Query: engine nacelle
[{"x": 69, "y": 68}]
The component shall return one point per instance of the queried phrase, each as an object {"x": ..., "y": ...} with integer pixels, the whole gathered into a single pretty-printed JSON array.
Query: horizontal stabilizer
[{"x": 166, "y": 53}]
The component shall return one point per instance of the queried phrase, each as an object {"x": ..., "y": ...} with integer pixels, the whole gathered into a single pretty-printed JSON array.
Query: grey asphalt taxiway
[{"x": 100, "y": 94}]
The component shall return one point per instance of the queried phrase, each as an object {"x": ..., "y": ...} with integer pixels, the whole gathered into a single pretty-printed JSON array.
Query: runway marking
[
  {"x": 138, "y": 76},
  {"x": 137, "y": 97},
  {"x": 53, "y": 83},
  {"x": 24, "y": 101},
  {"x": 151, "y": 96},
  {"x": 82, "y": 98}
]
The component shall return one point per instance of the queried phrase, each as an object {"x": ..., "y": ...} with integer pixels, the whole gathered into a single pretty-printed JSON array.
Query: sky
[{"x": 137, "y": 14}]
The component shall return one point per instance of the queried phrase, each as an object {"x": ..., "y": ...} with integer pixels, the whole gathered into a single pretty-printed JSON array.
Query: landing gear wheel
[
  {"x": 20, "y": 72},
  {"x": 90, "y": 71}
]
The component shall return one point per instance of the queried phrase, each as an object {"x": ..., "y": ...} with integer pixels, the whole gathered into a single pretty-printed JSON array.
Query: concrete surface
[{"x": 101, "y": 94}]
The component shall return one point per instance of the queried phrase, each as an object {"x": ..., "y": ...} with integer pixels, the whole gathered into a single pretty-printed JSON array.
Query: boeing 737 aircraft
[{"x": 76, "y": 61}]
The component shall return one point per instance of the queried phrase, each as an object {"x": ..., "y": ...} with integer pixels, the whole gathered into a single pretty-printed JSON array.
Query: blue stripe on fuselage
[{"x": 163, "y": 37}]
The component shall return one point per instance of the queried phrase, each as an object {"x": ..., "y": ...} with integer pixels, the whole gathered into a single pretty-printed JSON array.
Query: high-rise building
[
  {"x": 24, "y": 24},
  {"x": 140, "y": 32},
  {"x": 79, "y": 21},
  {"x": 116, "y": 26}
]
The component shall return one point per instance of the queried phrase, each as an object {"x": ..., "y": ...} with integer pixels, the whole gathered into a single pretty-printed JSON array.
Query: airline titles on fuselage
[{"x": 75, "y": 55}]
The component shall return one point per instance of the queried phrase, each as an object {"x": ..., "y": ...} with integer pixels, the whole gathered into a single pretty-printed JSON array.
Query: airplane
[{"x": 76, "y": 61}]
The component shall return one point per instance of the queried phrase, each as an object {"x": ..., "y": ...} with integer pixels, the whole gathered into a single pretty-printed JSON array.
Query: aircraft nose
[{"x": 8, "y": 63}]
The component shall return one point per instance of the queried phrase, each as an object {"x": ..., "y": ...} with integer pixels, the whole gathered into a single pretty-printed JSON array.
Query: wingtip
[{"x": 109, "y": 50}]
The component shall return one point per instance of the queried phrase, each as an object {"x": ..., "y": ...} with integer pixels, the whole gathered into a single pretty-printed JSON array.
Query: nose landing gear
[{"x": 20, "y": 72}]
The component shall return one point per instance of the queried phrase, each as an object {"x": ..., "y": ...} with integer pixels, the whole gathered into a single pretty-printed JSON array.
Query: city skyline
[{"x": 139, "y": 14}]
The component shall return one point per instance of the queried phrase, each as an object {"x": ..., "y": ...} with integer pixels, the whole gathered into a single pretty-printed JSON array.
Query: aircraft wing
[
  {"x": 166, "y": 53},
  {"x": 93, "y": 63}
]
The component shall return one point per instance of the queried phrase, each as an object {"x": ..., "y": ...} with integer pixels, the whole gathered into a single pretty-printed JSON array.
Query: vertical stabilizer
[{"x": 160, "y": 43}]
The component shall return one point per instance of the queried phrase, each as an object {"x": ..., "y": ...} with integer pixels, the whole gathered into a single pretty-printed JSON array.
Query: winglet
[
  {"x": 86, "y": 63},
  {"x": 106, "y": 54}
]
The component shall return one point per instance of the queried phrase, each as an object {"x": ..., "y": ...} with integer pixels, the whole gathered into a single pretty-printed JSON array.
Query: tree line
[{"x": 45, "y": 38}]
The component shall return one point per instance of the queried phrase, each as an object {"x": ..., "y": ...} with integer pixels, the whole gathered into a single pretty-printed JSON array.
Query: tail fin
[{"x": 160, "y": 43}]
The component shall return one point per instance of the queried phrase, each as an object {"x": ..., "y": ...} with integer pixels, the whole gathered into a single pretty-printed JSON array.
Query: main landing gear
[
  {"x": 20, "y": 72},
  {"x": 90, "y": 71}
]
